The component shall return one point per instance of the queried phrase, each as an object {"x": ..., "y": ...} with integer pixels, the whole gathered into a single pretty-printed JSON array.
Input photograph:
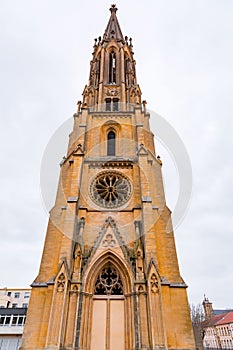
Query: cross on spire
[{"x": 113, "y": 8}]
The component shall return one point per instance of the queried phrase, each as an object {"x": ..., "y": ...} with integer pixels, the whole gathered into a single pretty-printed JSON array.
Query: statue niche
[
  {"x": 77, "y": 262},
  {"x": 139, "y": 265},
  {"x": 95, "y": 72},
  {"x": 130, "y": 75}
]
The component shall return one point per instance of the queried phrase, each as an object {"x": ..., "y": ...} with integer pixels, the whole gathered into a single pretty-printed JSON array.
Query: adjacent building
[
  {"x": 217, "y": 328},
  {"x": 14, "y": 298},
  {"x": 13, "y": 311}
]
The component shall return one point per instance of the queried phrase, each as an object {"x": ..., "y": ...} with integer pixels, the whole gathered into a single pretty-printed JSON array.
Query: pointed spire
[{"x": 113, "y": 29}]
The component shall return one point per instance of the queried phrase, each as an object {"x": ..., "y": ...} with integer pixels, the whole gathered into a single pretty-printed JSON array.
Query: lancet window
[
  {"x": 112, "y": 68},
  {"x": 111, "y": 143}
]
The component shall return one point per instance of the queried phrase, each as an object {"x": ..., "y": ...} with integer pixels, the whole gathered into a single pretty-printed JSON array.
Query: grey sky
[{"x": 184, "y": 60}]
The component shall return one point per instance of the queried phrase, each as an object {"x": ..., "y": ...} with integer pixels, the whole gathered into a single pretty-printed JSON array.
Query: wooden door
[{"x": 108, "y": 314}]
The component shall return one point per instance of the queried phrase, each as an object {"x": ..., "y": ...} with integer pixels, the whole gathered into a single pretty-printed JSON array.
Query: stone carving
[
  {"x": 85, "y": 97},
  {"x": 81, "y": 227},
  {"x": 137, "y": 229},
  {"x": 139, "y": 264},
  {"x": 79, "y": 104},
  {"x": 130, "y": 73},
  {"x": 94, "y": 73},
  {"x": 140, "y": 289},
  {"x": 154, "y": 284},
  {"x": 77, "y": 259},
  {"x": 75, "y": 288},
  {"x": 112, "y": 92},
  {"x": 112, "y": 165},
  {"x": 109, "y": 241},
  {"x": 61, "y": 283},
  {"x": 139, "y": 261}
]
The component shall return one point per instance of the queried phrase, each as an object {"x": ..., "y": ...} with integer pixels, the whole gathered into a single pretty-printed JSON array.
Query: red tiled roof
[
  {"x": 227, "y": 318},
  {"x": 221, "y": 319},
  {"x": 213, "y": 320}
]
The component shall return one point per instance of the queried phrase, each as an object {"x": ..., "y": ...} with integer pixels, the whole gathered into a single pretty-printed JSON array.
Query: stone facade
[{"x": 109, "y": 276}]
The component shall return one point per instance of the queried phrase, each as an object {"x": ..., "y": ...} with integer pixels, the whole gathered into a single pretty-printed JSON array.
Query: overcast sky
[{"x": 184, "y": 57}]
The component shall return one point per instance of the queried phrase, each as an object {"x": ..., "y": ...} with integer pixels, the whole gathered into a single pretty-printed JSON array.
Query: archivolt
[{"x": 104, "y": 260}]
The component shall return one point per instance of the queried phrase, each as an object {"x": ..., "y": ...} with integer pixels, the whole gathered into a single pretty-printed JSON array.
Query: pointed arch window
[
  {"x": 112, "y": 68},
  {"x": 109, "y": 282},
  {"x": 111, "y": 143}
]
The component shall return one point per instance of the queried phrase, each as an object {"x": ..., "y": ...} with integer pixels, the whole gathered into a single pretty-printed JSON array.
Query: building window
[
  {"x": 109, "y": 282},
  {"x": 7, "y": 320},
  {"x": 112, "y": 68},
  {"x": 14, "y": 305},
  {"x": 25, "y": 305},
  {"x": 17, "y": 294},
  {"x": 115, "y": 104},
  {"x": 108, "y": 104},
  {"x": 13, "y": 320},
  {"x": 26, "y": 295},
  {"x": 110, "y": 189},
  {"x": 111, "y": 143},
  {"x": 8, "y": 294},
  {"x": 112, "y": 105}
]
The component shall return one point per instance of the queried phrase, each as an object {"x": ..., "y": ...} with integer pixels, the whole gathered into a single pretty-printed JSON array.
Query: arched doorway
[{"x": 108, "y": 316}]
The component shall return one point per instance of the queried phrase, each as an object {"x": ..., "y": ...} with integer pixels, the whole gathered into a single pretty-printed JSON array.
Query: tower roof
[{"x": 113, "y": 29}]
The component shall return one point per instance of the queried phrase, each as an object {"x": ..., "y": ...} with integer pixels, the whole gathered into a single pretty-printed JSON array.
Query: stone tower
[{"x": 109, "y": 277}]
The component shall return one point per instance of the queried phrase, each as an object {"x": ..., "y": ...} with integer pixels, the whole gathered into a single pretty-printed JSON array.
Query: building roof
[
  {"x": 217, "y": 320},
  {"x": 227, "y": 318},
  {"x": 212, "y": 321},
  {"x": 218, "y": 312}
]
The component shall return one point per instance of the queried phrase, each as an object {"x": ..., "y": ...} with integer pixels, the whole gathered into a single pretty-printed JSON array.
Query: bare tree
[
  {"x": 197, "y": 314},
  {"x": 198, "y": 318}
]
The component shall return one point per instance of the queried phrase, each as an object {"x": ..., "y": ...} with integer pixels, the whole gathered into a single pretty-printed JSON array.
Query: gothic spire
[{"x": 113, "y": 29}]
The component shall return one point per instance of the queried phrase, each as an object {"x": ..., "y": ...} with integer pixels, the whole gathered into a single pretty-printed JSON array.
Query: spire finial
[{"x": 113, "y": 8}]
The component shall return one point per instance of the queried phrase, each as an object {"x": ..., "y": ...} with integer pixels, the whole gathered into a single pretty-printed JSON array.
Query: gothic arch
[
  {"x": 112, "y": 67},
  {"x": 155, "y": 306},
  {"x": 97, "y": 310},
  {"x": 111, "y": 125},
  {"x": 112, "y": 49},
  {"x": 111, "y": 143},
  {"x": 98, "y": 265},
  {"x": 106, "y": 128}
]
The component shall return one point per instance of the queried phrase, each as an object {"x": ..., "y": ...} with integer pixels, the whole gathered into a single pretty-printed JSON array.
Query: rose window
[{"x": 111, "y": 189}]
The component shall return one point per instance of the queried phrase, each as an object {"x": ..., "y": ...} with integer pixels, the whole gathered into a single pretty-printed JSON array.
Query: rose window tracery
[
  {"x": 111, "y": 189},
  {"x": 108, "y": 282}
]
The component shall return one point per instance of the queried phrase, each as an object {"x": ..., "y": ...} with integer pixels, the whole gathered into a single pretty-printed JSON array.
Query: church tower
[{"x": 109, "y": 277}]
